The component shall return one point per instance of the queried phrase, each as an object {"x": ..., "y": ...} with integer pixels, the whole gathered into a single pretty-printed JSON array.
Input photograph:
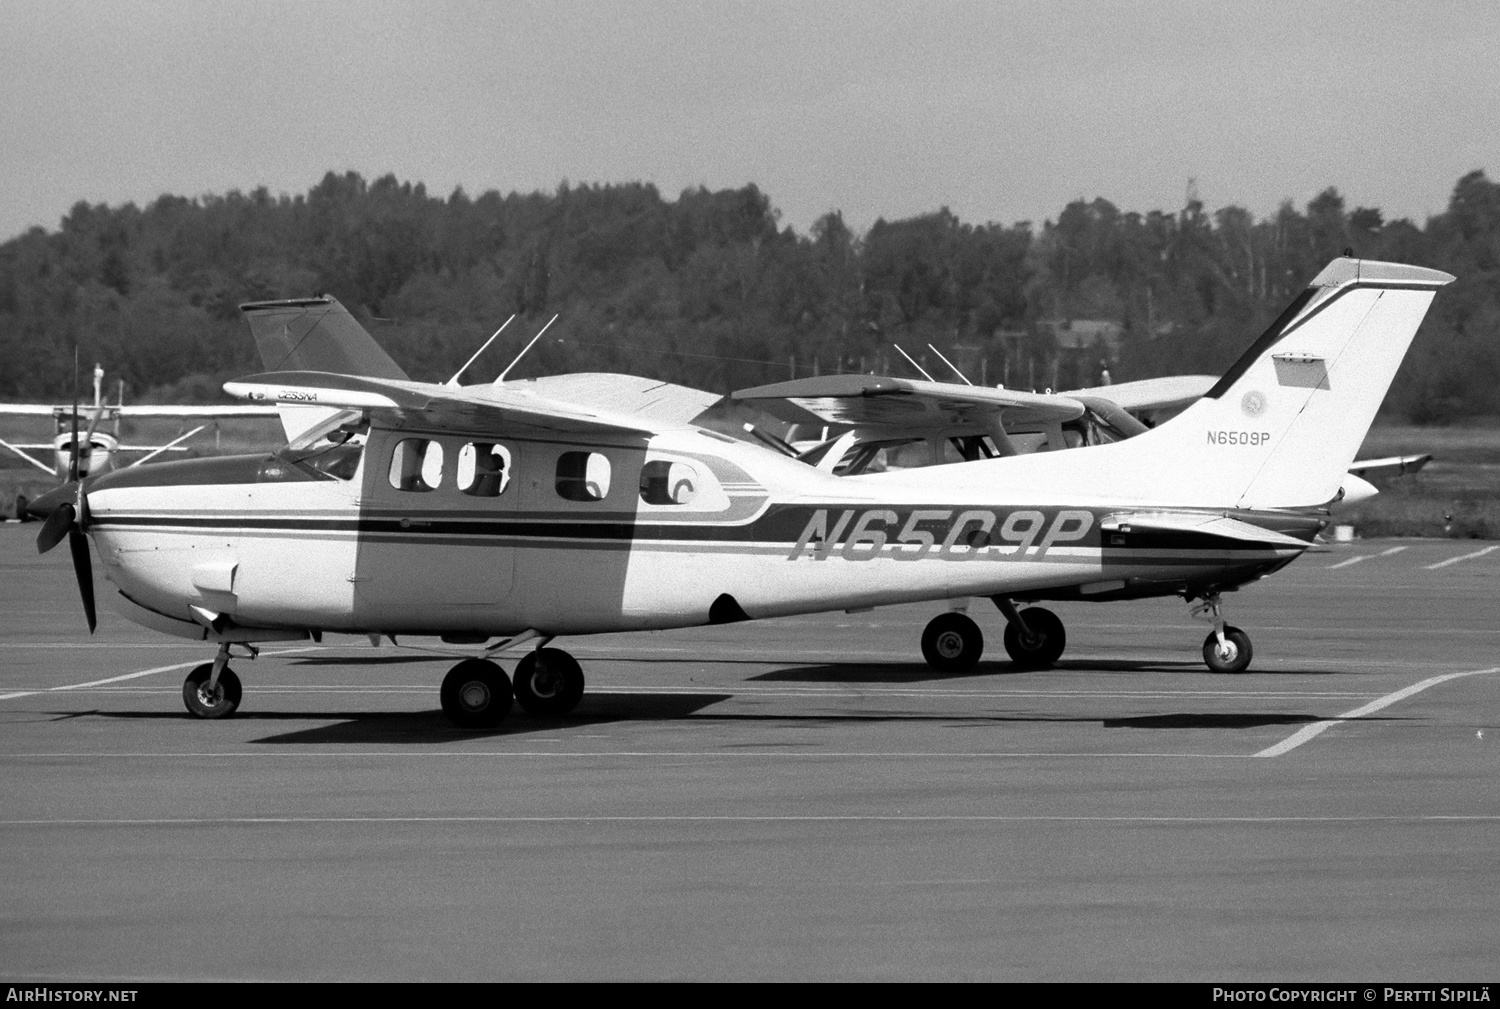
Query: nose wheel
[
  {"x": 476, "y": 694},
  {"x": 207, "y": 696},
  {"x": 1227, "y": 649}
]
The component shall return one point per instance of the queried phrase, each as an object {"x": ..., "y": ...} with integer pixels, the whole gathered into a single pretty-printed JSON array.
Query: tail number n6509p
[{"x": 937, "y": 532}]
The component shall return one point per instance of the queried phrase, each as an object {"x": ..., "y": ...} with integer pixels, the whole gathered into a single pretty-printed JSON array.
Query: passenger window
[
  {"x": 483, "y": 469},
  {"x": 417, "y": 464},
  {"x": 668, "y": 483},
  {"x": 582, "y": 476}
]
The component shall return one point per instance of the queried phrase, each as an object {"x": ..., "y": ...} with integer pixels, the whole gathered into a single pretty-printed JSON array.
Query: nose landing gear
[
  {"x": 1227, "y": 649},
  {"x": 212, "y": 690}
]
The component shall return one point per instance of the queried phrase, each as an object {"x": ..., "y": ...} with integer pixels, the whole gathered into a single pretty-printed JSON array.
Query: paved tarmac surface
[{"x": 793, "y": 799}]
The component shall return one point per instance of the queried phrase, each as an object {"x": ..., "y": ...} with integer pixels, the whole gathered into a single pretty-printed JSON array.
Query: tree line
[{"x": 710, "y": 290}]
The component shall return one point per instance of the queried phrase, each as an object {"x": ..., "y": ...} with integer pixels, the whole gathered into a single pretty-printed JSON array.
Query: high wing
[
  {"x": 647, "y": 398},
  {"x": 459, "y": 408},
  {"x": 1150, "y": 396},
  {"x": 906, "y": 405}
]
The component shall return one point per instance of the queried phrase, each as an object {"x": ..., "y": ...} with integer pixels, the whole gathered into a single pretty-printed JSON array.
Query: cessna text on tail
[{"x": 506, "y": 515}]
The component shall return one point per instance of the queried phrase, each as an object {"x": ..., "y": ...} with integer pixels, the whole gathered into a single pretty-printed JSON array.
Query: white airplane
[
  {"x": 79, "y": 453},
  {"x": 864, "y": 421},
  {"x": 507, "y": 515}
]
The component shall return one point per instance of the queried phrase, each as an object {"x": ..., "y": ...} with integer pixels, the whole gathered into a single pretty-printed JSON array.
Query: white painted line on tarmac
[
  {"x": 1309, "y": 732},
  {"x": 1462, "y": 557},
  {"x": 633, "y": 754},
  {"x": 274, "y": 821},
  {"x": 1365, "y": 557},
  {"x": 136, "y": 675}
]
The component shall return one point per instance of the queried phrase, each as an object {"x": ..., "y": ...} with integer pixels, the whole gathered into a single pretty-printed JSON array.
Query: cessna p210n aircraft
[{"x": 580, "y": 504}]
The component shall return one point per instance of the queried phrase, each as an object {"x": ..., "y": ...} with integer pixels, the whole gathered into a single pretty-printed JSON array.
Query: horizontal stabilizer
[
  {"x": 1396, "y": 465},
  {"x": 1220, "y": 526}
]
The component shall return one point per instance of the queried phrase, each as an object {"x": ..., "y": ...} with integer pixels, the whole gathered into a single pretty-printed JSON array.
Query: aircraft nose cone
[{"x": 48, "y": 502}]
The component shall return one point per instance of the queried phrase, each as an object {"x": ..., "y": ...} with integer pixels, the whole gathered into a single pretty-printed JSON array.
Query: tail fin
[
  {"x": 316, "y": 334},
  {"x": 1281, "y": 427}
]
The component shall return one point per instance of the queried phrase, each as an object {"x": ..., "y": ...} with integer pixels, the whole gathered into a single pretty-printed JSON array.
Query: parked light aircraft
[
  {"x": 530, "y": 510},
  {"x": 96, "y": 449},
  {"x": 865, "y": 421}
]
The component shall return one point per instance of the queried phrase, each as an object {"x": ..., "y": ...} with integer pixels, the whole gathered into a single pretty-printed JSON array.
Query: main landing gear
[
  {"x": 477, "y": 694},
  {"x": 1034, "y": 639}
]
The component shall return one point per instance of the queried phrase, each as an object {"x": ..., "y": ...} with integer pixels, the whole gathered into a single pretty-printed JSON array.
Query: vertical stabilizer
[
  {"x": 314, "y": 334},
  {"x": 1281, "y": 427}
]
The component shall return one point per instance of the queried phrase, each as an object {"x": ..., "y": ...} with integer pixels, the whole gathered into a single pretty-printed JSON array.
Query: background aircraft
[
  {"x": 865, "y": 422},
  {"x": 91, "y": 433}
]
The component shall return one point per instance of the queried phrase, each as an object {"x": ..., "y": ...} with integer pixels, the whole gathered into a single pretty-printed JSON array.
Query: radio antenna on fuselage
[
  {"x": 913, "y": 363},
  {"x": 534, "y": 339},
  {"x": 950, "y": 364},
  {"x": 454, "y": 380}
]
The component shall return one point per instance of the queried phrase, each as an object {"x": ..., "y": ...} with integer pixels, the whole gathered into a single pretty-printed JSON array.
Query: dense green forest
[{"x": 709, "y": 290}]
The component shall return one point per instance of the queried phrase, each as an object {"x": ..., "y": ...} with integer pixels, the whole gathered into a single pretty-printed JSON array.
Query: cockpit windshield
[{"x": 332, "y": 449}]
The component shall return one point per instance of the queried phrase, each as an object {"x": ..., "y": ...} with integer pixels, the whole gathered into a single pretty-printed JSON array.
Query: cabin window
[
  {"x": 417, "y": 465},
  {"x": 483, "y": 469},
  {"x": 582, "y": 476},
  {"x": 664, "y": 482}
]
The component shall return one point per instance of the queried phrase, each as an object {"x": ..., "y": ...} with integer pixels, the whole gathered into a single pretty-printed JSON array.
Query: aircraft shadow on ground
[
  {"x": 432, "y": 726},
  {"x": 920, "y": 672}
]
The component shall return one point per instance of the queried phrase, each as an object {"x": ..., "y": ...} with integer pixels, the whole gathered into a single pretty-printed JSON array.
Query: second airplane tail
[{"x": 1281, "y": 427}]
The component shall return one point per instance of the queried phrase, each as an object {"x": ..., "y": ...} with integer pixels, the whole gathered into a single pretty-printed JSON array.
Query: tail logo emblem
[{"x": 1254, "y": 404}]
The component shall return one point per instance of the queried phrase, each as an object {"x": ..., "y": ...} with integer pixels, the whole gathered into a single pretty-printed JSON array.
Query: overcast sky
[{"x": 1001, "y": 112}]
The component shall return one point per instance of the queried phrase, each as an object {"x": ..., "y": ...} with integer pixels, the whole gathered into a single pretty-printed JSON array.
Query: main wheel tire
[
  {"x": 476, "y": 694},
  {"x": 952, "y": 643},
  {"x": 21, "y": 504},
  {"x": 1234, "y": 657},
  {"x": 1043, "y": 646},
  {"x": 217, "y": 703},
  {"x": 549, "y": 683}
]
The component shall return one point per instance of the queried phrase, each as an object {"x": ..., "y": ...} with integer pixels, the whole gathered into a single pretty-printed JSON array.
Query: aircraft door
[{"x": 436, "y": 552}]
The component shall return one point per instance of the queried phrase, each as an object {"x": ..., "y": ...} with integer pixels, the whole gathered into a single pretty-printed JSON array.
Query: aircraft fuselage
[{"x": 412, "y": 536}]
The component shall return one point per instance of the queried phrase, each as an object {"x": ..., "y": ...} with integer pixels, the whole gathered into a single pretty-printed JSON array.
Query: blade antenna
[
  {"x": 522, "y": 354},
  {"x": 454, "y": 380},
  {"x": 950, "y": 364},
  {"x": 913, "y": 363}
]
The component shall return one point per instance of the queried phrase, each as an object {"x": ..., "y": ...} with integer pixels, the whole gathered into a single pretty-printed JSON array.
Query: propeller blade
[
  {"x": 55, "y": 528},
  {"x": 83, "y": 568}
]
